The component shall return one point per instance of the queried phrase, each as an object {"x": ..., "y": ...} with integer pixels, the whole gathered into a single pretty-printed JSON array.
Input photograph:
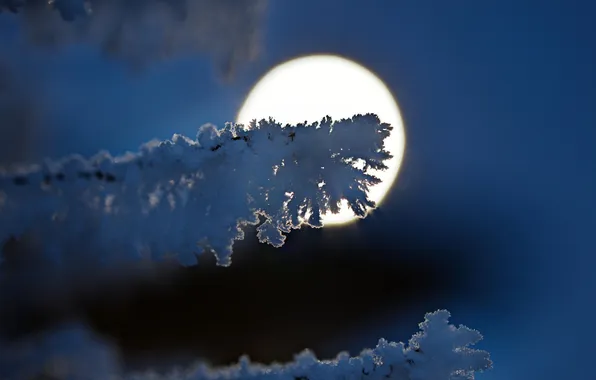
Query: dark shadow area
[{"x": 321, "y": 291}]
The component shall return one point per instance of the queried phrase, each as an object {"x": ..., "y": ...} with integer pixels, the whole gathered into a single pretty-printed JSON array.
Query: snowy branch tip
[
  {"x": 173, "y": 194},
  {"x": 440, "y": 351}
]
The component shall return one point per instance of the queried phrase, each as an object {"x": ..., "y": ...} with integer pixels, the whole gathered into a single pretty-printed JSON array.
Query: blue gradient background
[{"x": 498, "y": 99}]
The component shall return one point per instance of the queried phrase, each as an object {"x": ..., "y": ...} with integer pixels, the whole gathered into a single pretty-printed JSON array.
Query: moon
[{"x": 312, "y": 87}]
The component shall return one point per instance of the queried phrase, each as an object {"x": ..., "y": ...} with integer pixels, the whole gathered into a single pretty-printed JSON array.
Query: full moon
[{"x": 312, "y": 87}]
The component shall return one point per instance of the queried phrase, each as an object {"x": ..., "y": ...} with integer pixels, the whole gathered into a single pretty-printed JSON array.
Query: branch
[
  {"x": 174, "y": 194},
  {"x": 439, "y": 352}
]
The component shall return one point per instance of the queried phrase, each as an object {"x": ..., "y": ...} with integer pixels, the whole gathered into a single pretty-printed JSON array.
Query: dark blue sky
[{"x": 498, "y": 100}]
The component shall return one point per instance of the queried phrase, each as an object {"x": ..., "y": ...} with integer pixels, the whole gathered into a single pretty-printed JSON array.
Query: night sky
[{"x": 492, "y": 216}]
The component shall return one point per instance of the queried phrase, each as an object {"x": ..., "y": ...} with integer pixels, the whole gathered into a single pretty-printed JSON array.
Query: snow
[
  {"x": 440, "y": 351},
  {"x": 171, "y": 194},
  {"x": 185, "y": 196}
]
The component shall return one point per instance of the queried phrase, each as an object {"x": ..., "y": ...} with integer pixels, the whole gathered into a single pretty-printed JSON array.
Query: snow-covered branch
[
  {"x": 440, "y": 351},
  {"x": 183, "y": 196},
  {"x": 173, "y": 194}
]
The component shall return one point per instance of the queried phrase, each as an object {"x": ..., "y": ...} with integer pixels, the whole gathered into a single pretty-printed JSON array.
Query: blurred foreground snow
[{"x": 439, "y": 351}]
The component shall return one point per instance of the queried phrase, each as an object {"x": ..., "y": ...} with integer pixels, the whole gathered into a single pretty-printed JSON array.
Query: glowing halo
[{"x": 311, "y": 87}]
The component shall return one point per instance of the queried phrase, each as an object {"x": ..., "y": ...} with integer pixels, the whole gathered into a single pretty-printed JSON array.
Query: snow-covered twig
[
  {"x": 439, "y": 352},
  {"x": 173, "y": 194}
]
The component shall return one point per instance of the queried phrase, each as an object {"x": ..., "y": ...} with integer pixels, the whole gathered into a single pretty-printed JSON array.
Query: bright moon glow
[{"x": 312, "y": 87}]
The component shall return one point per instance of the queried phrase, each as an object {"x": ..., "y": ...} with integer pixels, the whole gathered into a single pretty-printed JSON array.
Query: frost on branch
[
  {"x": 439, "y": 352},
  {"x": 173, "y": 194}
]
